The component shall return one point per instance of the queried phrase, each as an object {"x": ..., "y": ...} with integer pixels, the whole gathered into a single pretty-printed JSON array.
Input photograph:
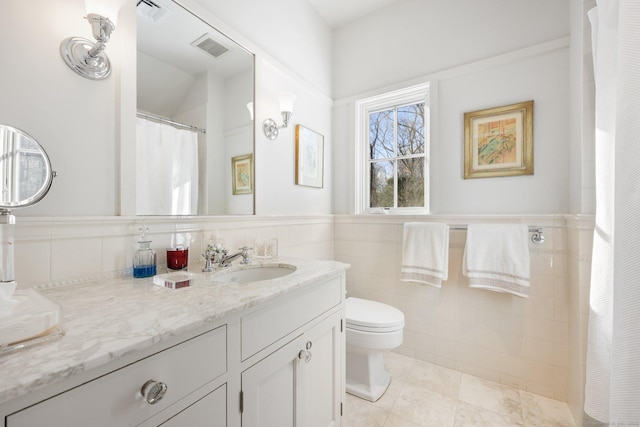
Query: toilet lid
[{"x": 362, "y": 313}]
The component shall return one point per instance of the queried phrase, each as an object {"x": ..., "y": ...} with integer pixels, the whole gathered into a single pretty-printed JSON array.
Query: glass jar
[{"x": 144, "y": 260}]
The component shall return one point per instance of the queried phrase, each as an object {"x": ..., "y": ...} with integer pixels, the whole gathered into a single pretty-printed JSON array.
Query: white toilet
[{"x": 373, "y": 328}]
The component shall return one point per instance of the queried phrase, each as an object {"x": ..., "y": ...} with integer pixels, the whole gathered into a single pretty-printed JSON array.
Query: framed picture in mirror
[
  {"x": 242, "y": 174},
  {"x": 309, "y": 157}
]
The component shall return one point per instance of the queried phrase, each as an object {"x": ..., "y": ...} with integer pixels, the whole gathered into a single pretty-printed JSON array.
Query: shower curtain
[
  {"x": 612, "y": 391},
  {"x": 166, "y": 169}
]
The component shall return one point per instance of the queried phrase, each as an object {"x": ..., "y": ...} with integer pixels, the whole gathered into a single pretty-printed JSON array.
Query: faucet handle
[{"x": 244, "y": 251}]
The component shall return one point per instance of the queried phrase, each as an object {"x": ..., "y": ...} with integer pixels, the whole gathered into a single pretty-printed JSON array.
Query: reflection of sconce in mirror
[
  {"x": 269, "y": 126},
  {"x": 250, "y": 108},
  {"x": 84, "y": 56}
]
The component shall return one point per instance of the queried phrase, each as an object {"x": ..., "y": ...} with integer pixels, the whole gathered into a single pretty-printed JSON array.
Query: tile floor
[{"x": 425, "y": 395}]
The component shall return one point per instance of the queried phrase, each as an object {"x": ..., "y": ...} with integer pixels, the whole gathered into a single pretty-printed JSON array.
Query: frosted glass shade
[
  {"x": 250, "y": 108},
  {"x": 287, "y": 99},
  {"x": 107, "y": 8}
]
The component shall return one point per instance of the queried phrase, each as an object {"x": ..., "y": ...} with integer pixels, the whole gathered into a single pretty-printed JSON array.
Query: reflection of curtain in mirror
[{"x": 166, "y": 169}]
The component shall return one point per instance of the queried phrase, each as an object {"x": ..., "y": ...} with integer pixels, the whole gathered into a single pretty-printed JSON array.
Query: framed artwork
[
  {"x": 499, "y": 141},
  {"x": 242, "y": 174},
  {"x": 309, "y": 157}
]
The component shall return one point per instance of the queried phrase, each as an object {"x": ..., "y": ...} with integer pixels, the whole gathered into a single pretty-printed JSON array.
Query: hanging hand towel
[
  {"x": 425, "y": 253},
  {"x": 496, "y": 257}
]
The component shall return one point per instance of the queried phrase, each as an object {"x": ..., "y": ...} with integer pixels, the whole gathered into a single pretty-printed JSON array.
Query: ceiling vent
[
  {"x": 150, "y": 10},
  {"x": 211, "y": 46}
]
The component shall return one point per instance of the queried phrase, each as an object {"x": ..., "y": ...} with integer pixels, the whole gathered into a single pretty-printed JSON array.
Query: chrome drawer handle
[{"x": 153, "y": 391}]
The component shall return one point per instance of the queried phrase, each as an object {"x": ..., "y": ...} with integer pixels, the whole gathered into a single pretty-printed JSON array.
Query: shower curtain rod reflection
[
  {"x": 537, "y": 235},
  {"x": 169, "y": 122}
]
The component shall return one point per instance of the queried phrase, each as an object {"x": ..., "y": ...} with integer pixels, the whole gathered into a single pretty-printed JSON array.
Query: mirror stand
[
  {"x": 7, "y": 272},
  {"x": 26, "y": 317}
]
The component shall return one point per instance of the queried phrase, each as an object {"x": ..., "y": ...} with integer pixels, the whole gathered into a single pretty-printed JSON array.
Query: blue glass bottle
[{"x": 144, "y": 260}]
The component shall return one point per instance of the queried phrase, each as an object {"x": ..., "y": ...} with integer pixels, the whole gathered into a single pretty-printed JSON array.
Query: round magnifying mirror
[{"x": 25, "y": 169}]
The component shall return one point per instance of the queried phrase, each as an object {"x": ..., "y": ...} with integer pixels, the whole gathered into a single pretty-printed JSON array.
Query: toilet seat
[{"x": 371, "y": 316}]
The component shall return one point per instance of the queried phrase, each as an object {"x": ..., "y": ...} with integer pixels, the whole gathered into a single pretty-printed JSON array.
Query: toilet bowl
[{"x": 372, "y": 328}]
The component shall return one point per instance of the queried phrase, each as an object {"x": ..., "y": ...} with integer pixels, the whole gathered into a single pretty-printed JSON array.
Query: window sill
[{"x": 396, "y": 211}]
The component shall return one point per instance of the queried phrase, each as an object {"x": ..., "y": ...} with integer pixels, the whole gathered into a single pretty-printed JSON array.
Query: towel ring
[{"x": 537, "y": 237}]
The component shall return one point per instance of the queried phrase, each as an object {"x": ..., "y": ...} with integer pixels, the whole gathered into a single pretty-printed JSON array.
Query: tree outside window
[{"x": 397, "y": 157}]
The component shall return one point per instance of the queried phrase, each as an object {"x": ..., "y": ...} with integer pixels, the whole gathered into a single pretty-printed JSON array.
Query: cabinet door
[
  {"x": 320, "y": 379},
  {"x": 299, "y": 385},
  {"x": 270, "y": 388}
]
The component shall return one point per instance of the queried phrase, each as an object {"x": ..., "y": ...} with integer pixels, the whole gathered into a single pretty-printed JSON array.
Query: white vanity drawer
[
  {"x": 210, "y": 411},
  {"x": 115, "y": 399},
  {"x": 263, "y": 327}
]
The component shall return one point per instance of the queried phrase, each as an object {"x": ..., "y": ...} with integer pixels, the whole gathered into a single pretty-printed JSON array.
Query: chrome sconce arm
[{"x": 88, "y": 58}]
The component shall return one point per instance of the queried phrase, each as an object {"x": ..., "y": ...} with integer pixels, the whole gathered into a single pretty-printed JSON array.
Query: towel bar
[{"x": 537, "y": 236}]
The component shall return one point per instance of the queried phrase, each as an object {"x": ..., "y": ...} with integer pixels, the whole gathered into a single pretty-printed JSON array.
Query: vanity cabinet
[{"x": 278, "y": 363}]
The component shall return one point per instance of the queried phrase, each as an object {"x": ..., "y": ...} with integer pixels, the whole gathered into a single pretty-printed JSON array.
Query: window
[{"x": 393, "y": 147}]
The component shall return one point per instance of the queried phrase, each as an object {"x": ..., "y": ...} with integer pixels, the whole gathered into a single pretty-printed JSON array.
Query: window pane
[
  {"x": 381, "y": 128},
  {"x": 411, "y": 182},
  {"x": 381, "y": 187},
  {"x": 411, "y": 129}
]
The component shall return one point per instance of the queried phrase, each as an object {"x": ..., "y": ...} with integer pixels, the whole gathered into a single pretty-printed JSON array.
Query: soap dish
[
  {"x": 173, "y": 280},
  {"x": 32, "y": 319}
]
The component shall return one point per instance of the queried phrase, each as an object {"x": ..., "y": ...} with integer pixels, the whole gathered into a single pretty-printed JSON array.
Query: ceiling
[{"x": 340, "y": 12}]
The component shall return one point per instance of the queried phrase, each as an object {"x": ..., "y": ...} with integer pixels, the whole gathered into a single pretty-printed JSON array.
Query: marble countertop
[{"x": 103, "y": 320}]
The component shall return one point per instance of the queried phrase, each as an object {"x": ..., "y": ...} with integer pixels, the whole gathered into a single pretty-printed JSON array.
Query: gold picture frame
[
  {"x": 242, "y": 174},
  {"x": 309, "y": 157},
  {"x": 499, "y": 141}
]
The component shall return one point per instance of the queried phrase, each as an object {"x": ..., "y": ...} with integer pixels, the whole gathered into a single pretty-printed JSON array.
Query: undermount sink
[{"x": 254, "y": 273}]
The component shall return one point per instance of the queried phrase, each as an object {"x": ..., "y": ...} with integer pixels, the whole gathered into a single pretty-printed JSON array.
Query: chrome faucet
[{"x": 226, "y": 260}]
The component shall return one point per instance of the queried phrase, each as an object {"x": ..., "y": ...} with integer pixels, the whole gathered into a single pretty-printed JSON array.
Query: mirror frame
[{"x": 44, "y": 189}]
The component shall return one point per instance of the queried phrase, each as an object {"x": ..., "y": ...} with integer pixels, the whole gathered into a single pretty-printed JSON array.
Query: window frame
[{"x": 364, "y": 107}]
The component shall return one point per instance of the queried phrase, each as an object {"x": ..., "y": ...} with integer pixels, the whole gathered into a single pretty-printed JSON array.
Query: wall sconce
[
  {"x": 269, "y": 126},
  {"x": 84, "y": 56}
]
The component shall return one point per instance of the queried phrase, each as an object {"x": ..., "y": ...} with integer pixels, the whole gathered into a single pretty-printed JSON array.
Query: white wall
[
  {"x": 73, "y": 118},
  {"x": 476, "y": 56},
  {"x": 543, "y": 78},
  {"x": 412, "y": 38},
  {"x": 275, "y": 160}
]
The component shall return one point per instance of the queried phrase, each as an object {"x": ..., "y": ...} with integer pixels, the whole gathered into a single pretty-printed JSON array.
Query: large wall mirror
[{"x": 195, "y": 90}]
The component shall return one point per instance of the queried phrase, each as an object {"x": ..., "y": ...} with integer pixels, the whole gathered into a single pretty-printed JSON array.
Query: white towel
[
  {"x": 496, "y": 257},
  {"x": 425, "y": 253}
]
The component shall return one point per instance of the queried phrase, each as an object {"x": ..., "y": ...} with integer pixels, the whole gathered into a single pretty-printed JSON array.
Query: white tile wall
[
  {"x": 580, "y": 235},
  {"x": 535, "y": 344},
  {"x": 59, "y": 250},
  {"x": 521, "y": 342}
]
